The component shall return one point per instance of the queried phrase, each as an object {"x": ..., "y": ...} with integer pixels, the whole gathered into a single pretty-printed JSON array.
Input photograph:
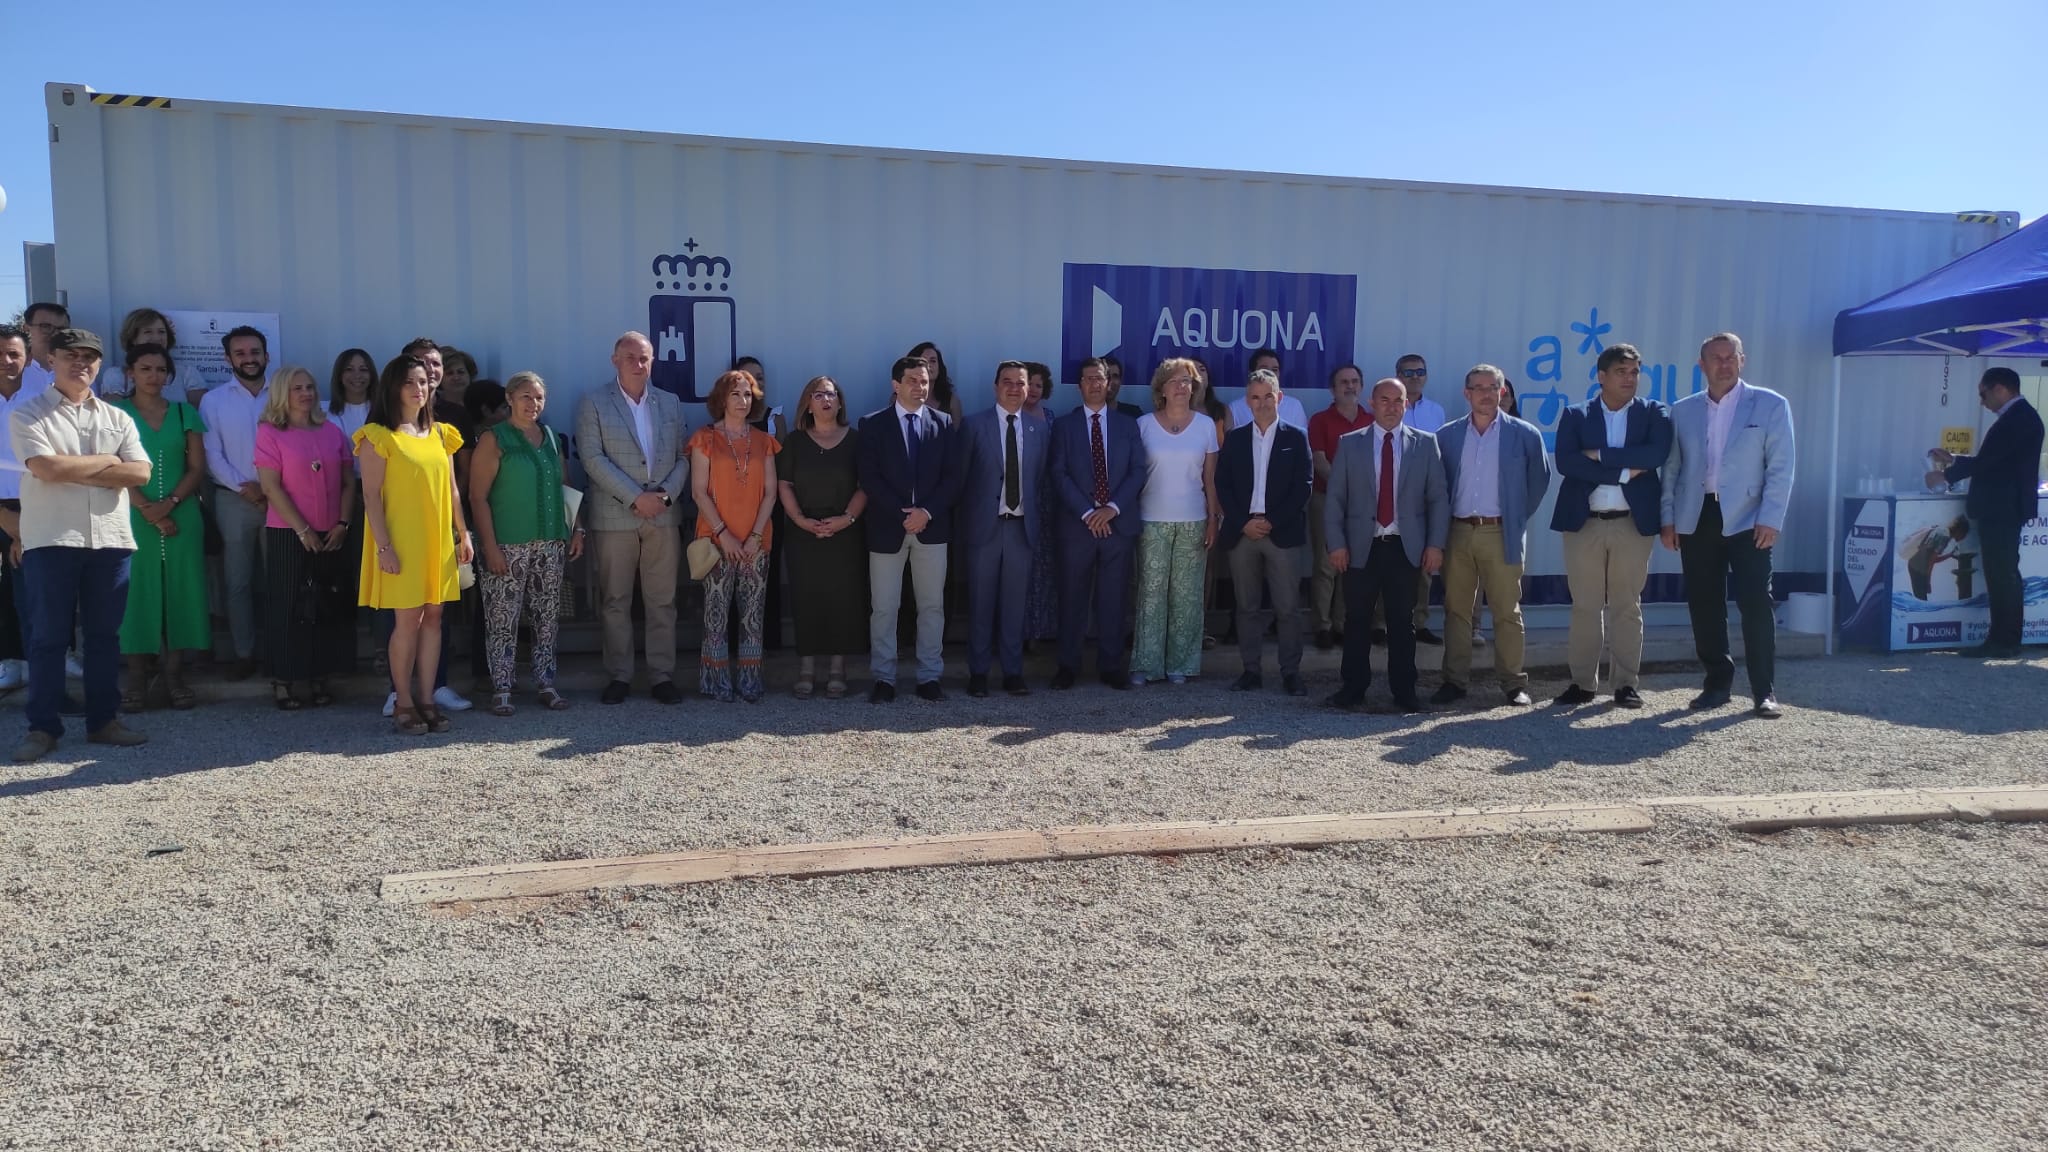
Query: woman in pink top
[{"x": 303, "y": 462}]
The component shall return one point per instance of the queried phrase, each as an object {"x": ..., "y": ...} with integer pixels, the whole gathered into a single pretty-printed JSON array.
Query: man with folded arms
[
  {"x": 1497, "y": 475},
  {"x": 82, "y": 455}
]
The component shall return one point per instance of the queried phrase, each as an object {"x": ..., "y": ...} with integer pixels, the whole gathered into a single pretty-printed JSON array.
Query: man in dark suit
[
  {"x": 1610, "y": 509},
  {"x": 2005, "y": 481},
  {"x": 1098, "y": 467},
  {"x": 1386, "y": 517},
  {"x": 909, "y": 469},
  {"x": 1004, "y": 448},
  {"x": 1263, "y": 481}
]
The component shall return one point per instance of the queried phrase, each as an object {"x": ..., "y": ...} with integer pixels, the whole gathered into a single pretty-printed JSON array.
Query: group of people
[{"x": 414, "y": 480}]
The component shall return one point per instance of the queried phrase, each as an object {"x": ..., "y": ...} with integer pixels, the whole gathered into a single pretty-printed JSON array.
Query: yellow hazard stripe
[
  {"x": 115, "y": 100},
  {"x": 1978, "y": 217}
]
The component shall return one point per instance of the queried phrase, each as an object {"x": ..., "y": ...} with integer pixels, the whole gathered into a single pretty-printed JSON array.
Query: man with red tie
[
  {"x": 1385, "y": 519},
  {"x": 1098, "y": 468}
]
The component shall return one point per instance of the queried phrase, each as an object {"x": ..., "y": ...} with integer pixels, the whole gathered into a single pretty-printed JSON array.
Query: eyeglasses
[
  {"x": 45, "y": 326},
  {"x": 1411, "y": 373}
]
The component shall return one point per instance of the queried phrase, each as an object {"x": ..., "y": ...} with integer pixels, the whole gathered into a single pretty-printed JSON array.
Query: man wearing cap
[{"x": 81, "y": 455}]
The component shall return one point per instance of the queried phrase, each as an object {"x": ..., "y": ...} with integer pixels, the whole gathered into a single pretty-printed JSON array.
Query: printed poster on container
[
  {"x": 1144, "y": 315},
  {"x": 199, "y": 344}
]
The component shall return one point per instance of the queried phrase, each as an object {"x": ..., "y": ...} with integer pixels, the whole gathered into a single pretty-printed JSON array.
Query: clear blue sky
[{"x": 1879, "y": 103}]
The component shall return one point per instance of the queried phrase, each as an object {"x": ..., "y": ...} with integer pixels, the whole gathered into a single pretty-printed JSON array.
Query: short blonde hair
[
  {"x": 1166, "y": 371},
  {"x": 519, "y": 379},
  {"x": 277, "y": 399}
]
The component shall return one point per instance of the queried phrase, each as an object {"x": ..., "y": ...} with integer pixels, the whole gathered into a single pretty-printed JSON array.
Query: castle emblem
[{"x": 690, "y": 319}]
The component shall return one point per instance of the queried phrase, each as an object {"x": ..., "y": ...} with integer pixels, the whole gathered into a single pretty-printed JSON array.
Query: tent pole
[{"x": 1834, "y": 495}]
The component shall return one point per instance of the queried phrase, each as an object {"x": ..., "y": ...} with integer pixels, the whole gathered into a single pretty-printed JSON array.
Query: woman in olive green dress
[{"x": 167, "y": 610}]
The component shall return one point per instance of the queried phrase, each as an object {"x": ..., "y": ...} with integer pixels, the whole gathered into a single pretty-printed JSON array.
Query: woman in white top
[
  {"x": 348, "y": 390},
  {"x": 1181, "y": 515},
  {"x": 149, "y": 326}
]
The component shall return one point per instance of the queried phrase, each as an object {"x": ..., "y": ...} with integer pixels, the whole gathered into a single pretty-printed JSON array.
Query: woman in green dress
[{"x": 167, "y": 610}]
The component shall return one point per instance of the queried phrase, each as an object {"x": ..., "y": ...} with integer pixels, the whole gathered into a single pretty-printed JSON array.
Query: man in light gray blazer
[
  {"x": 1005, "y": 449},
  {"x": 1497, "y": 474},
  {"x": 1727, "y": 486},
  {"x": 630, "y": 437},
  {"x": 1385, "y": 519}
]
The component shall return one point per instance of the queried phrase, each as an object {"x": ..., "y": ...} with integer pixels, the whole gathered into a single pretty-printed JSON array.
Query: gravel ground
[{"x": 1873, "y": 988}]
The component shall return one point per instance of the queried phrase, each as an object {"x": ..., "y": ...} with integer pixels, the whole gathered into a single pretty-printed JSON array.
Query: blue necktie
[{"x": 911, "y": 444}]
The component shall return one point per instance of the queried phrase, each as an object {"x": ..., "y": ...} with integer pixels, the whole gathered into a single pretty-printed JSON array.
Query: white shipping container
[{"x": 533, "y": 246}]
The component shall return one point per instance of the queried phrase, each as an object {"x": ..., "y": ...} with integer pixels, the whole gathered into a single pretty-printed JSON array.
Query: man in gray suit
[
  {"x": 1727, "y": 487},
  {"x": 1385, "y": 518},
  {"x": 1497, "y": 475},
  {"x": 1005, "y": 451},
  {"x": 630, "y": 437}
]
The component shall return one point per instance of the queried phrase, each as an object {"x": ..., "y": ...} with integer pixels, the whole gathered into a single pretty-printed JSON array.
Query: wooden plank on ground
[
  {"x": 497, "y": 882},
  {"x": 1871, "y": 806}
]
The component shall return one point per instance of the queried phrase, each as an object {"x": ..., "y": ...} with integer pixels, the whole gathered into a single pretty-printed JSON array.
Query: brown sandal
[
  {"x": 435, "y": 719},
  {"x": 408, "y": 722}
]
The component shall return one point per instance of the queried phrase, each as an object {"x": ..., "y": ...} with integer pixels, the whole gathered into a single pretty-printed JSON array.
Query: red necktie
[
  {"x": 1386, "y": 479},
  {"x": 1101, "y": 461}
]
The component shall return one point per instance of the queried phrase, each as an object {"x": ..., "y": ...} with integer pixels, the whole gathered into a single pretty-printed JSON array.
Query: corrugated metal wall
[{"x": 532, "y": 247}]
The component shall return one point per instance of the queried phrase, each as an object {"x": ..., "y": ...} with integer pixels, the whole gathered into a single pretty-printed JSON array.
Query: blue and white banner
[{"x": 1144, "y": 315}]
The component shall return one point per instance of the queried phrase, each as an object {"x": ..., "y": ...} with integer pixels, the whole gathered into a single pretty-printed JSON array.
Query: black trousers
[
  {"x": 2001, "y": 560},
  {"x": 1381, "y": 575},
  {"x": 1709, "y": 559}
]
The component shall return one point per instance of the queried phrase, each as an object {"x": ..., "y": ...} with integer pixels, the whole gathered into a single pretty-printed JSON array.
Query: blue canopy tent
[{"x": 1992, "y": 302}]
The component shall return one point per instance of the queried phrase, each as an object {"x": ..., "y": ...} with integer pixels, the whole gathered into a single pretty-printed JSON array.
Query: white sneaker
[
  {"x": 451, "y": 700},
  {"x": 391, "y": 704},
  {"x": 13, "y": 674},
  {"x": 72, "y": 667}
]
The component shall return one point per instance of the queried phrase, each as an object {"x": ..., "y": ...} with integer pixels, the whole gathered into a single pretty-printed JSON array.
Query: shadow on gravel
[
  {"x": 1543, "y": 738},
  {"x": 1942, "y": 691}
]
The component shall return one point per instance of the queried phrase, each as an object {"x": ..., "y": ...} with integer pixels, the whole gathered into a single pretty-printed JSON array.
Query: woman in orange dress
[{"x": 732, "y": 474}]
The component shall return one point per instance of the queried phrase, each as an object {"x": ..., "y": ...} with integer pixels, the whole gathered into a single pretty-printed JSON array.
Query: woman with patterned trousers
[
  {"x": 1181, "y": 516},
  {"x": 523, "y": 538},
  {"x": 732, "y": 474}
]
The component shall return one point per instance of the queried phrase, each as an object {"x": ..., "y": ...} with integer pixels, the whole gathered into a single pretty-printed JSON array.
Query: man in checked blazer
[
  {"x": 630, "y": 436},
  {"x": 1381, "y": 541}
]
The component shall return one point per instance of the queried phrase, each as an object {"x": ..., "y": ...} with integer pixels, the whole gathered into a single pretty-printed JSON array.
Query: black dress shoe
[
  {"x": 1518, "y": 697},
  {"x": 1292, "y": 685},
  {"x": 1408, "y": 704},
  {"x": 1448, "y": 693},
  {"x": 1767, "y": 709},
  {"x": 883, "y": 692},
  {"x": 977, "y": 686},
  {"x": 1121, "y": 681},
  {"x": 1627, "y": 698},
  {"x": 1710, "y": 697},
  {"x": 1063, "y": 679},
  {"x": 1325, "y": 639},
  {"x": 1425, "y": 636},
  {"x": 666, "y": 692},
  {"x": 930, "y": 690},
  {"x": 1574, "y": 696},
  {"x": 1379, "y": 637},
  {"x": 615, "y": 692},
  {"x": 1015, "y": 686},
  {"x": 1247, "y": 682},
  {"x": 1343, "y": 699}
]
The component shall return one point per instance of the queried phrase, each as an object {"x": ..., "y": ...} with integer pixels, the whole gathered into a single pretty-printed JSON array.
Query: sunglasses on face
[{"x": 1411, "y": 373}]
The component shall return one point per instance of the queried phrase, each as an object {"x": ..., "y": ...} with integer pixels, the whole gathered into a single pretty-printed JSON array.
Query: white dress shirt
[
  {"x": 1091, "y": 418},
  {"x": 11, "y": 469},
  {"x": 643, "y": 426},
  {"x": 1262, "y": 459},
  {"x": 1720, "y": 422},
  {"x": 1610, "y": 497},
  {"x": 1291, "y": 412},
  {"x": 1373, "y": 437},
  {"x": 231, "y": 414},
  {"x": 35, "y": 377}
]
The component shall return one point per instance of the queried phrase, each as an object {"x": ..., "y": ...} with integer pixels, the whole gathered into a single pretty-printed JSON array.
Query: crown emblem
[{"x": 691, "y": 272}]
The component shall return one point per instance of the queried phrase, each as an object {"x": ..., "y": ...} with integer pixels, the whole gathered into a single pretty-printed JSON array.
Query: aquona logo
[{"x": 690, "y": 320}]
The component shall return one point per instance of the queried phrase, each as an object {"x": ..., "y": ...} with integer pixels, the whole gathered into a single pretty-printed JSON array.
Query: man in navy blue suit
[
  {"x": 2005, "y": 485},
  {"x": 1004, "y": 448},
  {"x": 1098, "y": 466},
  {"x": 1610, "y": 509},
  {"x": 909, "y": 469},
  {"x": 1262, "y": 480}
]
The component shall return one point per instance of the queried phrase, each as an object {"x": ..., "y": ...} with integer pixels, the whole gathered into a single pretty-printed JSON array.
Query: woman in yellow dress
[{"x": 417, "y": 537}]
